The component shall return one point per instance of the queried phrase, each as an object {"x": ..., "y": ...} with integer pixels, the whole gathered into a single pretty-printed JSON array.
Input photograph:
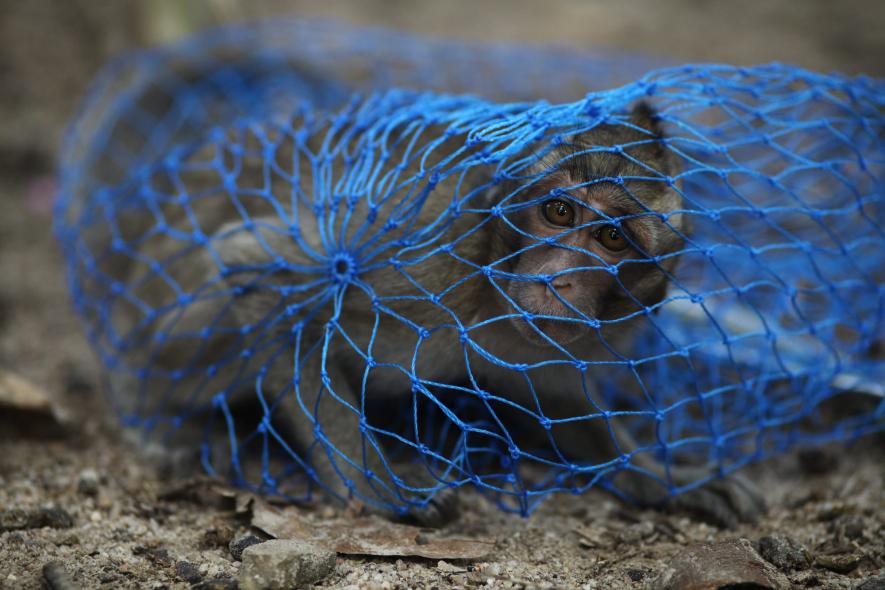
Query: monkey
[{"x": 522, "y": 278}]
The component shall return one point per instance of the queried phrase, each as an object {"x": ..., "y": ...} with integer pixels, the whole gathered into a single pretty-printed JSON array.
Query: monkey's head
[{"x": 592, "y": 236}]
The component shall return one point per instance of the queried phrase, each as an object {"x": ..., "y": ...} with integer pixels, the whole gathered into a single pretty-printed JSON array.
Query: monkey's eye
[
  {"x": 558, "y": 212},
  {"x": 612, "y": 238}
]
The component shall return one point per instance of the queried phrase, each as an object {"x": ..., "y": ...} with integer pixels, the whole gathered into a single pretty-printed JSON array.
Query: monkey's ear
[
  {"x": 654, "y": 153},
  {"x": 643, "y": 115}
]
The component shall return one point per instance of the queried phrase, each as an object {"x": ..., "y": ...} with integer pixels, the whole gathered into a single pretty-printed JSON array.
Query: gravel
[{"x": 784, "y": 552}]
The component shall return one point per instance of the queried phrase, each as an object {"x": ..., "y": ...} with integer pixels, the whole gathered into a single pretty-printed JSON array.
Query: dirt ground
[{"x": 77, "y": 498}]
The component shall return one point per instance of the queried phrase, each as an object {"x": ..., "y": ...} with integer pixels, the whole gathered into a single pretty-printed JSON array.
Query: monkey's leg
[
  {"x": 724, "y": 501},
  {"x": 174, "y": 446},
  {"x": 348, "y": 459}
]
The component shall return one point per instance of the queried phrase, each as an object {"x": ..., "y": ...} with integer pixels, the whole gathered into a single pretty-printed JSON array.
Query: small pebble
[
  {"x": 188, "y": 572},
  {"x": 216, "y": 584},
  {"x": 447, "y": 567},
  {"x": 841, "y": 563},
  {"x": 16, "y": 519},
  {"x": 848, "y": 526},
  {"x": 284, "y": 563},
  {"x": 784, "y": 552},
  {"x": 877, "y": 583},
  {"x": 218, "y": 536},
  {"x": 493, "y": 569},
  {"x": 56, "y": 577},
  {"x": 87, "y": 482},
  {"x": 239, "y": 544},
  {"x": 56, "y": 518}
]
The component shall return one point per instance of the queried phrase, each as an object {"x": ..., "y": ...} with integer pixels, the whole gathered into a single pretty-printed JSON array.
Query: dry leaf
[
  {"x": 367, "y": 535},
  {"x": 709, "y": 566}
]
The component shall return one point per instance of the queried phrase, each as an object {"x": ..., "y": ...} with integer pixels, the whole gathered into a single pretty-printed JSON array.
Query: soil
[{"x": 78, "y": 509}]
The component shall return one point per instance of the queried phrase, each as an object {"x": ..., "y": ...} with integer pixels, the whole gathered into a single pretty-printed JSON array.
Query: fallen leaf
[
  {"x": 591, "y": 537},
  {"x": 709, "y": 566},
  {"x": 367, "y": 535}
]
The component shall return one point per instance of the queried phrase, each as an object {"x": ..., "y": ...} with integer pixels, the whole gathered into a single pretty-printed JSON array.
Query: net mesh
[{"x": 388, "y": 266}]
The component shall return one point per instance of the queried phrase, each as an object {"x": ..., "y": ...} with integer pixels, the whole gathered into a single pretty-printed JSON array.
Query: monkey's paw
[
  {"x": 442, "y": 509},
  {"x": 723, "y": 502}
]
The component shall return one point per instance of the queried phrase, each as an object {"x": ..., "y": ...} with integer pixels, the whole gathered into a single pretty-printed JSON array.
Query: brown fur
[{"x": 330, "y": 391}]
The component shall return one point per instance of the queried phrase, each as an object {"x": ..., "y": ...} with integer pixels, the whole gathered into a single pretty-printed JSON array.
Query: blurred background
[{"x": 49, "y": 49}]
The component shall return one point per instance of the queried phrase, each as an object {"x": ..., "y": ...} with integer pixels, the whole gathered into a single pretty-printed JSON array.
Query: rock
[
  {"x": 848, "y": 527},
  {"x": 841, "y": 563},
  {"x": 156, "y": 555},
  {"x": 56, "y": 577},
  {"x": 216, "y": 584},
  {"x": 284, "y": 563},
  {"x": 784, "y": 552},
  {"x": 188, "y": 572},
  {"x": 87, "y": 482},
  {"x": 219, "y": 535},
  {"x": 709, "y": 566},
  {"x": 238, "y": 545},
  {"x": 635, "y": 533},
  {"x": 877, "y": 583},
  {"x": 56, "y": 518},
  {"x": 16, "y": 519}
]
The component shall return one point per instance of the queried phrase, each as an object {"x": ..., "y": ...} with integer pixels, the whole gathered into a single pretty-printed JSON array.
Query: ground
[{"x": 76, "y": 496}]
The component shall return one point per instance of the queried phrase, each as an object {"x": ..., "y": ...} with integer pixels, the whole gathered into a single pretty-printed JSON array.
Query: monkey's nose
[{"x": 561, "y": 285}]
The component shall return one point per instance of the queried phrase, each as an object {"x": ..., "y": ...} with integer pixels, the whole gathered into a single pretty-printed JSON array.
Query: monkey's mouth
[
  {"x": 545, "y": 319},
  {"x": 546, "y": 331}
]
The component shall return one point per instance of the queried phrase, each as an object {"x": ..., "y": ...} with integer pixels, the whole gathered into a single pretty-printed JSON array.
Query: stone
[
  {"x": 16, "y": 519},
  {"x": 56, "y": 577},
  {"x": 219, "y": 535},
  {"x": 188, "y": 572},
  {"x": 238, "y": 545},
  {"x": 87, "y": 482},
  {"x": 877, "y": 583},
  {"x": 216, "y": 584},
  {"x": 784, "y": 552},
  {"x": 282, "y": 564},
  {"x": 841, "y": 563}
]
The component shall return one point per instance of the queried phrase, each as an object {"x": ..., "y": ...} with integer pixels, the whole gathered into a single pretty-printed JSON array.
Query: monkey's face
[{"x": 583, "y": 257}]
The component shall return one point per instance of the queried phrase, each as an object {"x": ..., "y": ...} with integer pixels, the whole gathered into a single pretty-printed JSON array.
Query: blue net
[{"x": 388, "y": 266}]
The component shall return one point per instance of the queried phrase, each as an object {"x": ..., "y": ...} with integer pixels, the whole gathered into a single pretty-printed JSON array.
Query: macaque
[{"x": 496, "y": 275}]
